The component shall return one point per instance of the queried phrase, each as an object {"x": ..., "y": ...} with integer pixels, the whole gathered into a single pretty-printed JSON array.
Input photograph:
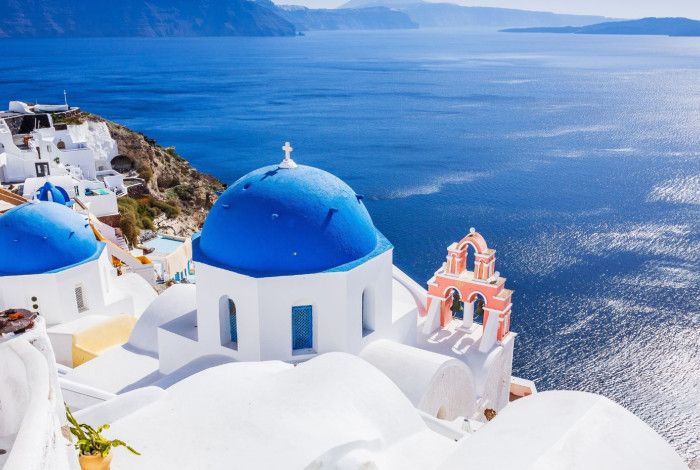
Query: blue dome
[
  {"x": 43, "y": 237},
  {"x": 56, "y": 194},
  {"x": 276, "y": 222}
]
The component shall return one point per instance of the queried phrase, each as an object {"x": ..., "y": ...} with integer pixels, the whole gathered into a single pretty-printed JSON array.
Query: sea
[{"x": 577, "y": 157}]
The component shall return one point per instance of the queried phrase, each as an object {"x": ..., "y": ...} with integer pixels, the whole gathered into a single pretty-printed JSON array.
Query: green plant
[
  {"x": 145, "y": 171},
  {"x": 90, "y": 440}
]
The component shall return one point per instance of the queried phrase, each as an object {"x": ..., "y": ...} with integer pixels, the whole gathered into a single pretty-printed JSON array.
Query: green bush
[
  {"x": 145, "y": 172},
  {"x": 183, "y": 192},
  {"x": 171, "y": 211},
  {"x": 137, "y": 214}
]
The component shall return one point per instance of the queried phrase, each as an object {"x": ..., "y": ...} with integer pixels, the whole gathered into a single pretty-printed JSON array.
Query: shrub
[
  {"x": 183, "y": 192},
  {"x": 137, "y": 214},
  {"x": 145, "y": 172}
]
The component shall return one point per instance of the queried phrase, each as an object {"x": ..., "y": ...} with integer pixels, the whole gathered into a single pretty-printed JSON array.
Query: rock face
[
  {"x": 306, "y": 19},
  {"x": 109, "y": 18},
  {"x": 169, "y": 179},
  {"x": 449, "y": 15}
]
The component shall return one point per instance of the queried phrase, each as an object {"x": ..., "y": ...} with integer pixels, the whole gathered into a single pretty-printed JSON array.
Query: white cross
[{"x": 288, "y": 162}]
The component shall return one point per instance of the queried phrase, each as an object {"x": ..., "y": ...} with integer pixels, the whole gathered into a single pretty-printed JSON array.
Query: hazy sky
[{"x": 614, "y": 8}]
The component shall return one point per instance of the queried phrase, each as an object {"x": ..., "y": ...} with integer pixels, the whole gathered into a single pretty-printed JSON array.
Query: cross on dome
[{"x": 288, "y": 163}]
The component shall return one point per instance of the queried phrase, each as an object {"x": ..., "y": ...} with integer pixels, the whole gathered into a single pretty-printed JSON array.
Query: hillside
[
  {"x": 175, "y": 198},
  {"x": 306, "y": 19},
  {"x": 645, "y": 26},
  {"x": 149, "y": 18},
  {"x": 450, "y": 15}
]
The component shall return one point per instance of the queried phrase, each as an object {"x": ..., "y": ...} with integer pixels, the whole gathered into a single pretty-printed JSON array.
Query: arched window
[
  {"x": 368, "y": 320},
  {"x": 302, "y": 328},
  {"x": 229, "y": 322}
]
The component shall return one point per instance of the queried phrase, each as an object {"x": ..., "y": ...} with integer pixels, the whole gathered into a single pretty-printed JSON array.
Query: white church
[{"x": 300, "y": 346}]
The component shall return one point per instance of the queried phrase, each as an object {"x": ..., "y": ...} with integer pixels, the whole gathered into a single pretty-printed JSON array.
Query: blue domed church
[
  {"x": 290, "y": 265},
  {"x": 51, "y": 263}
]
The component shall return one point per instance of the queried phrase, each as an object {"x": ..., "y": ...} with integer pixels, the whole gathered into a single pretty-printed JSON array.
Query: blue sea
[{"x": 577, "y": 157}]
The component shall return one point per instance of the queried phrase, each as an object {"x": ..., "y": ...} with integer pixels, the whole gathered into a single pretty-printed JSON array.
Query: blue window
[
  {"x": 302, "y": 327},
  {"x": 232, "y": 321}
]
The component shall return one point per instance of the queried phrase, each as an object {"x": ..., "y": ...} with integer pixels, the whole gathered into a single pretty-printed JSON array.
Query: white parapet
[{"x": 31, "y": 404}]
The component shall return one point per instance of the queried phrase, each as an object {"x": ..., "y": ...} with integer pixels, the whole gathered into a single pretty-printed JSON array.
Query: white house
[
  {"x": 31, "y": 146},
  {"x": 94, "y": 194},
  {"x": 51, "y": 263},
  {"x": 301, "y": 346},
  {"x": 334, "y": 411}
]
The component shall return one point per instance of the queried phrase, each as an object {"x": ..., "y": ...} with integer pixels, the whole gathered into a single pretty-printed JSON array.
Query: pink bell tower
[{"x": 483, "y": 282}]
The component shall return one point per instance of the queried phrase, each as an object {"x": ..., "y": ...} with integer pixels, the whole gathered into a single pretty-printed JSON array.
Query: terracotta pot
[{"x": 95, "y": 462}]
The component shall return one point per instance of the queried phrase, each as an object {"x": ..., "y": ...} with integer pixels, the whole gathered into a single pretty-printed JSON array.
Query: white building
[
  {"x": 94, "y": 194},
  {"x": 31, "y": 146},
  {"x": 289, "y": 267},
  {"x": 302, "y": 346},
  {"x": 334, "y": 411},
  {"x": 51, "y": 263}
]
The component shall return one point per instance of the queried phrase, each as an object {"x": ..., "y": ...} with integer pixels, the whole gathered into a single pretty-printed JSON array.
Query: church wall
[
  {"x": 325, "y": 292},
  {"x": 17, "y": 292},
  {"x": 374, "y": 276},
  {"x": 264, "y": 310},
  {"x": 212, "y": 284},
  {"x": 89, "y": 277},
  {"x": 55, "y": 292}
]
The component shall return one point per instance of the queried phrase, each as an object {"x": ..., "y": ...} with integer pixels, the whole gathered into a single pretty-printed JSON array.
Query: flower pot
[{"x": 95, "y": 462}]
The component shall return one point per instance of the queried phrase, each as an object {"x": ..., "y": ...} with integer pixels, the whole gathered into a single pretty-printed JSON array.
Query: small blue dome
[
  {"x": 43, "y": 237},
  {"x": 56, "y": 194},
  {"x": 276, "y": 222}
]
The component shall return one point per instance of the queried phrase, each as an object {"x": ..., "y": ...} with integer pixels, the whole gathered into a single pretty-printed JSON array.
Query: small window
[
  {"x": 233, "y": 326},
  {"x": 228, "y": 322},
  {"x": 80, "y": 299},
  {"x": 302, "y": 328},
  {"x": 367, "y": 312}
]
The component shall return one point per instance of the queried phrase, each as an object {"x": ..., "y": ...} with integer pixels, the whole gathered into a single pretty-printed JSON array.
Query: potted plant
[{"x": 94, "y": 449}]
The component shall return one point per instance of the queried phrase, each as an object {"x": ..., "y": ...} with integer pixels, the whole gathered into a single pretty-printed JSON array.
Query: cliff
[
  {"x": 450, "y": 15},
  {"x": 175, "y": 197},
  {"x": 149, "y": 18},
  {"x": 306, "y": 19}
]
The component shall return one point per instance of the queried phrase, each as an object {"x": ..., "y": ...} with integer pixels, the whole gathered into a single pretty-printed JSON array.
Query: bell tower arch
[{"x": 480, "y": 290}]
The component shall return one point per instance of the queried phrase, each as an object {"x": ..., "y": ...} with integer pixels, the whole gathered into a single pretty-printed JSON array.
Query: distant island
[
  {"x": 676, "y": 27},
  {"x": 450, "y": 15}
]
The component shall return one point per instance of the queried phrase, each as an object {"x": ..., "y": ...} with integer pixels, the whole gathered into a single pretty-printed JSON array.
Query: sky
[{"x": 612, "y": 8}]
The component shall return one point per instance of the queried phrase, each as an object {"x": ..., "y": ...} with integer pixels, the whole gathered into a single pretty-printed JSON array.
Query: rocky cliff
[
  {"x": 108, "y": 18},
  {"x": 306, "y": 19},
  {"x": 174, "y": 197}
]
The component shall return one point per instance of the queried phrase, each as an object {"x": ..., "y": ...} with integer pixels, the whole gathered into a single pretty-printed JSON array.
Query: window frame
[{"x": 311, "y": 327}]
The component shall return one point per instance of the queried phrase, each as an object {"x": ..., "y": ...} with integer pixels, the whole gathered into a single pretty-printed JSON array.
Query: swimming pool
[{"x": 163, "y": 245}]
